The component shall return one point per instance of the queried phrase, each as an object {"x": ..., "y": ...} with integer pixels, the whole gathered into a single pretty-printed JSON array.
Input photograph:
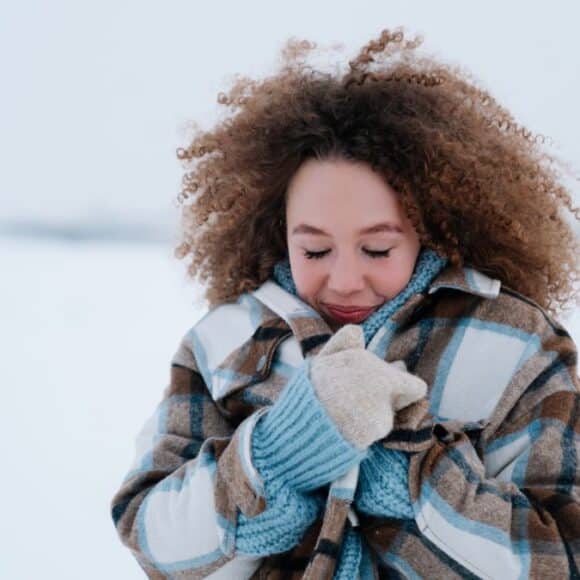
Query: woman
[{"x": 435, "y": 433}]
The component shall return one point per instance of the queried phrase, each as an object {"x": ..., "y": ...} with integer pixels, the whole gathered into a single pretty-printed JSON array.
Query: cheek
[
  {"x": 392, "y": 281},
  {"x": 308, "y": 279},
  {"x": 395, "y": 277}
]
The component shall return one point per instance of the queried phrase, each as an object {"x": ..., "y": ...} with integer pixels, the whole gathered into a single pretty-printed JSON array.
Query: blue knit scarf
[{"x": 427, "y": 266}]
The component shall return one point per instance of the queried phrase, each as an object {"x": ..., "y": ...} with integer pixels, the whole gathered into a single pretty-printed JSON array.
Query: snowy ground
[{"x": 88, "y": 332}]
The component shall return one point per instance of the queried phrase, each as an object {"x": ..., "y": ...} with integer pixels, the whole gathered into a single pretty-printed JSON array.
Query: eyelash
[{"x": 319, "y": 255}]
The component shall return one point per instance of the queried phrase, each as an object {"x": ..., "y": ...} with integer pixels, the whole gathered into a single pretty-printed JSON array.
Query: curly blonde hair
[{"x": 476, "y": 185}]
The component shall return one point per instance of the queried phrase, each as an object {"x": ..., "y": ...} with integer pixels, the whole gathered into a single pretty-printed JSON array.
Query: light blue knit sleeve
[
  {"x": 383, "y": 487},
  {"x": 282, "y": 525},
  {"x": 298, "y": 443},
  {"x": 296, "y": 449}
]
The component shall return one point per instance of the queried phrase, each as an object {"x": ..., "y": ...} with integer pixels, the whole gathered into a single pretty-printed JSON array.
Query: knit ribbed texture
[
  {"x": 365, "y": 569},
  {"x": 296, "y": 442},
  {"x": 350, "y": 555},
  {"x": 280, "y": 527},
  {"x": 427, "y": 266},
  {"x": 383, "y": 488},
  {"x": 296, "y": 448}
]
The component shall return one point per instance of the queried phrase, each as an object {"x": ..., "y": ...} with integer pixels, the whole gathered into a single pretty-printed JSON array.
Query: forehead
[{"x": 329, "y": 195}]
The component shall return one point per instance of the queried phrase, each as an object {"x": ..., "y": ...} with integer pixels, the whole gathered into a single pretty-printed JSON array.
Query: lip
[
  {"x": 351, "y": 315},
  {"x": 349, "y": 309}
]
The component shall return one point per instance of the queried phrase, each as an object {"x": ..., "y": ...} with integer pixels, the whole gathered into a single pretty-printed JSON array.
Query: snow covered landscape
[{"x": 88, "y": 332}]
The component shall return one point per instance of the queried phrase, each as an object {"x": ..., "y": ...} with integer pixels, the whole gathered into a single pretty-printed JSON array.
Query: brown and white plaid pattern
[{"x": 495, "y": 447}]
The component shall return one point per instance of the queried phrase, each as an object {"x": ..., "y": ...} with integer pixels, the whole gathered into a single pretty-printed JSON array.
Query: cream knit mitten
[{"x": 360, "y": 391}]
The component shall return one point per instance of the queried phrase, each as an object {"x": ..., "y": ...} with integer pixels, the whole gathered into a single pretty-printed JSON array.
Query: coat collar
[
  {"x": 466, "y": 279},
  {"x": 271, "y": 314},
  {"x": 312, "y": 331}
]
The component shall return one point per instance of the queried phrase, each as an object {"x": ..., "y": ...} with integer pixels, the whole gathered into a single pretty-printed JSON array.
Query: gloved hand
[{"x": 360, "y": 391}]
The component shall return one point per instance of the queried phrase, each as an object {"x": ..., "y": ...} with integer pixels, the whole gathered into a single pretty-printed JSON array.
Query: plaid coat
[{"x": 494, "y": 447}]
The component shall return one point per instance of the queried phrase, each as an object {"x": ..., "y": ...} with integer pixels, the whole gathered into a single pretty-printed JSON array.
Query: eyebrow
[{"x": 375, "y": 229}]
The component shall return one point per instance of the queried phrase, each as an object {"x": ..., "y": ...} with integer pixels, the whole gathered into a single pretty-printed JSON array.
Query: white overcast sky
[{"x": 95, "y": 94}]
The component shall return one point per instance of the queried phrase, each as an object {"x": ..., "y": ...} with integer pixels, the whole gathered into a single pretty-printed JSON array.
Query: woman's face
[{"x": 333, "y": 260}]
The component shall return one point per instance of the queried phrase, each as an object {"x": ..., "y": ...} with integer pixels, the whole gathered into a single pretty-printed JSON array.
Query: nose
[{"x": 346, "y": 276}]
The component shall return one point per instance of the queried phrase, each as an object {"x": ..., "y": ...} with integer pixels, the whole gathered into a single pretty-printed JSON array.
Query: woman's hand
[{"x": 360, "y": 391}]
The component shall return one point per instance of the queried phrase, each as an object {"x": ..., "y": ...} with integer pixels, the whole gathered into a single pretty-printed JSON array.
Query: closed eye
[{"x": 372, "y": 253}]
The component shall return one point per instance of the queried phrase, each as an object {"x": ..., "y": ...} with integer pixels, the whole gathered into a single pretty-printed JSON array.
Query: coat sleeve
[
  {"x": 511, "y": 509},
  {"x": 193, "y": 503}
]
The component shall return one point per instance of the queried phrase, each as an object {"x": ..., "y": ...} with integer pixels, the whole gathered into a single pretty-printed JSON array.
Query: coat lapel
[{"x": 308, "y": 327}]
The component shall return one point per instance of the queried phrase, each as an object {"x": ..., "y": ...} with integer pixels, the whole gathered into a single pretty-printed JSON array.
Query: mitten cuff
[{"x": 297, "y": 442}]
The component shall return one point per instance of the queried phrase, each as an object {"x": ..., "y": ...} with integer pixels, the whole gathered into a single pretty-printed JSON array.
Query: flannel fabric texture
[{"x": 493, "y": 450}]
